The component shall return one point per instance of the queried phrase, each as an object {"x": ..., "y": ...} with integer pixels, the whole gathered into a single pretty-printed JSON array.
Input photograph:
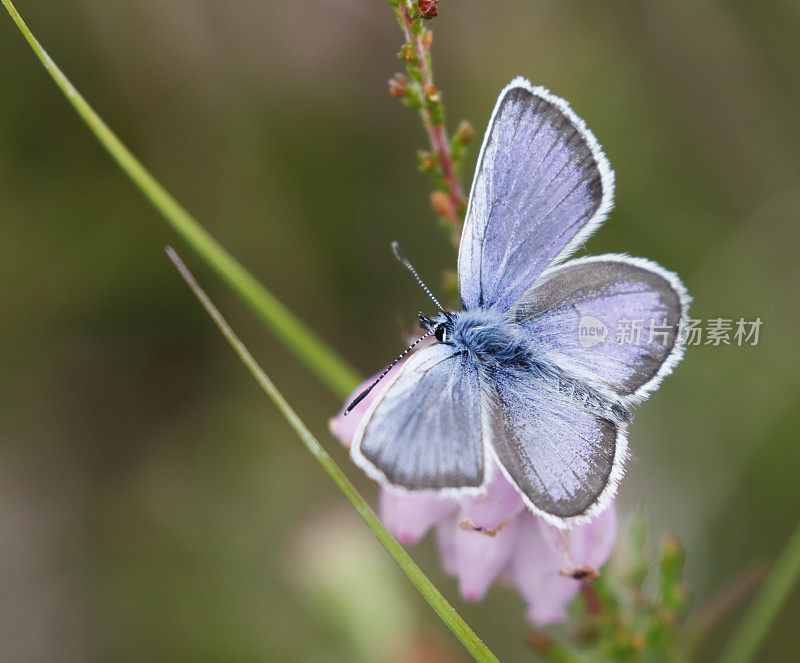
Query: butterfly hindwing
[
  {"x": 564, "y": 460},
  {"x": 541, "y": 186},
  {"x": 424, "y": 430}
]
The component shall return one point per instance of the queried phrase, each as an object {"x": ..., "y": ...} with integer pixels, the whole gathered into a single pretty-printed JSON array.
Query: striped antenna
[
  {"x": 364, "y": 393},
  {"x": 404, "y": 261}
]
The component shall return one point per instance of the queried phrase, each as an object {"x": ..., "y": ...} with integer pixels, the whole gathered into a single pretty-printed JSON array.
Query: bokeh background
[{"x": 153, "y": 505}]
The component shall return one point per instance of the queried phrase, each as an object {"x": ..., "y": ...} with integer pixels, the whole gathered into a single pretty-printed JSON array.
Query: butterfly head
[{"x": 440, "y": 324}]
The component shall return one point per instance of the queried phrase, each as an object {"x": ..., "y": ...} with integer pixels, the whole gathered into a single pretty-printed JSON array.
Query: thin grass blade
[
  {"x": 329, "y": 367},
  {"x": 759, "y": 617},
  {"x": 446, "y": 612}
]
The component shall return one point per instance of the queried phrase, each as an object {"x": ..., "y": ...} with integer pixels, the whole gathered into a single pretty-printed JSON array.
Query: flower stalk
[{"x": 417, "y": 89}]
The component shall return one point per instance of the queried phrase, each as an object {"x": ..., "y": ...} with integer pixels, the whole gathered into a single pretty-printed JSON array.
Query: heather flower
[{"x": 483, "y": 539}]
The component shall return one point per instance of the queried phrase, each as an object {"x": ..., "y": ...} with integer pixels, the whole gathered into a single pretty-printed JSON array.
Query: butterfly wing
[
  {"x": 609, "y": 320},
  {"x": 541, "y": 186},
  {"x": 565, "y": 461},
  {"x": 424, "y": 430}
]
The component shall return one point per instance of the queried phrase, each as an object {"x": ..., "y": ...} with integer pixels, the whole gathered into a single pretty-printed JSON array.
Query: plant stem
[
  {"x": 433, "y": 123},
  {"x": 329, "y": 367},
  {"x": 756, "y": 622},
  {"x": 448, "y": 614}
]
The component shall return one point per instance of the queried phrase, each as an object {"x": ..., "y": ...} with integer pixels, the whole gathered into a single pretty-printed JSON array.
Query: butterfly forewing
[
  {"x": 541, "y": 186},
  {"x": 424, "y": 430},
  {"x": 609, "y": 320}
]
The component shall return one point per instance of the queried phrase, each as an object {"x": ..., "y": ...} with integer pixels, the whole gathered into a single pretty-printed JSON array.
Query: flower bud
[
  {"x": 428, "y": 8},
  {"x": 398, "y": 85},
  {"x": 427, "y": 162},
  {"x": 407, "y": 53},
  {"x": 465, "y": 133},
  {"x": 440, "y": 202},
  {"x": 432, "y": 94}
]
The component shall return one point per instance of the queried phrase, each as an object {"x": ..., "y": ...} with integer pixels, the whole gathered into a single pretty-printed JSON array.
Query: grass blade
[
  {"x": 329, "y": 367},
  {"x": 762, "y": 611},
  {"x": 448, "y": 614}
]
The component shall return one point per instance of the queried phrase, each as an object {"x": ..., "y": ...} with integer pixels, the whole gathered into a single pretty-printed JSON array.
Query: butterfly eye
[{"x": 440, "y": 334}]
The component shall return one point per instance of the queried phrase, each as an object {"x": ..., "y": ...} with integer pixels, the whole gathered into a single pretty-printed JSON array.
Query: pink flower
[{"x": 486, "y": 538}]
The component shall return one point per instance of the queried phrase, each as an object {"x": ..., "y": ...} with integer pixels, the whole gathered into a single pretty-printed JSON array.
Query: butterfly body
[
  {"x": 483, "y": 335},
  {"x": 495, "y": 343},
  {"x": 514, "y": 381}
]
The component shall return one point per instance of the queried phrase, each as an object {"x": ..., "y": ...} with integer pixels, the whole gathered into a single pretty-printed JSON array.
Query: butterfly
[{"x": 528, "y": 377}]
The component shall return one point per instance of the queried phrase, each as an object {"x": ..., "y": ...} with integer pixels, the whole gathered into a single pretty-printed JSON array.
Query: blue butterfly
[{"x": 527, "y": 377}]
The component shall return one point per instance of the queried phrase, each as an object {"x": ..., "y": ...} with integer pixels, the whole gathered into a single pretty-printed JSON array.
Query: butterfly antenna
[
  {"x": 404, "y": 261},
  {"x": 364, "y": 393}
]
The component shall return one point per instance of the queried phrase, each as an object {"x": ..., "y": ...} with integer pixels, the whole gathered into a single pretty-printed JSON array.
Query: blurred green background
[{"x": 153, "y": 504}]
